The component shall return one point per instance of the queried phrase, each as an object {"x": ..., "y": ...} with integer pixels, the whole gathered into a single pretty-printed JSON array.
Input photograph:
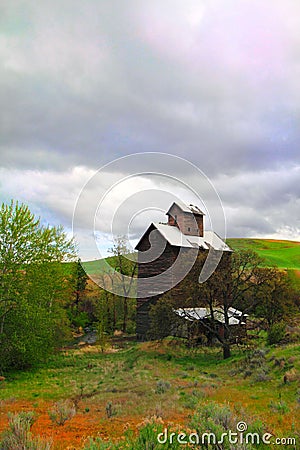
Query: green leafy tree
[
  {"x": 278, "y": 298},
  {"x": 33, "y": 286},
  {"x": 238, "y": 282},
  {"x": 125, "y": 267}
]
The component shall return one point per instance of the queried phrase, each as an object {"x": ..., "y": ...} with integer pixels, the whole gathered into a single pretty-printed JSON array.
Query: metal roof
[
  {"x": 175, "y": 237},
  {"x": 192, "y": 314},
  {"x": 192, "y": 209}
]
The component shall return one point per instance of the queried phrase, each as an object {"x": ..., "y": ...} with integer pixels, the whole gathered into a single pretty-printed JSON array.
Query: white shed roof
[
  {"x": 175, "y": 237},
  {"x": 192, "y": 314}
]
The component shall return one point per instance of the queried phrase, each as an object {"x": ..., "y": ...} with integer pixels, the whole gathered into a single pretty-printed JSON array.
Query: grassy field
[
  {"x": 160, "y": 381},
  {"x": 283, "y": 254}
]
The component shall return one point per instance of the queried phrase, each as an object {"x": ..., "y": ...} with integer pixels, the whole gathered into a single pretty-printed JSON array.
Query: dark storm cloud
[
  {"x": 87, "y": 80},
  {"x": 216, "y": 82}
]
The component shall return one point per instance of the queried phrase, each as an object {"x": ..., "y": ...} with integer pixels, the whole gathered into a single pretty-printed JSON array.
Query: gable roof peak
[{"x": 192, "y": 209}]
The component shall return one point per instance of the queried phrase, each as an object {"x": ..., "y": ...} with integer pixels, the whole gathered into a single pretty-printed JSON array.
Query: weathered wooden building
[{"x": 166, "y": 253}]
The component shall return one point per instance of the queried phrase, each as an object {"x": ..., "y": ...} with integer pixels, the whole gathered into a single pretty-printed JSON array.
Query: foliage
[
  {"x": 102, "y": 338},
  {"x": 219, "y": 420},
  {"x": 162, "y": 386},
  {"x": 279, "y": 407},
  {"x": 145, "y": 440},
  {"x": 278, "y": 298},
  {"x": 18, "y": 435},
  {"x": 62, "y": 411},
  {"x": 162, "y": 318},
  {"x": 77, "y": 313},
  {"x": 254, "y": 365},
  {"x": 126, "y": 269},
  {"x": 238, "y": 282},
  {"x": 128, "y": 377},
  {"x": 116, "y": 303},
  {"x": 110, "y": 410},
  {"x": 276, "y": 333},
  {"x": 33, "y": 287}
]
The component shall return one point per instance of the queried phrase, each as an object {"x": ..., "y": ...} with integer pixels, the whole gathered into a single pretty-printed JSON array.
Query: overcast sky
[{"x": 216, "y": 82}]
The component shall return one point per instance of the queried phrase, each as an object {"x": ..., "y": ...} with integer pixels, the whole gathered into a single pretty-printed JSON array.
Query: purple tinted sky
[{"x": 216, "y": 82}]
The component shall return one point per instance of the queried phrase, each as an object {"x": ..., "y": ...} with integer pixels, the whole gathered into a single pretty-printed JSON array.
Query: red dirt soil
[{"x": 75, "y": 433}]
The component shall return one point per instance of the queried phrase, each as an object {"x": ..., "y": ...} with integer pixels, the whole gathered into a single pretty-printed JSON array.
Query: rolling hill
[{"x": 283, "y": 254}]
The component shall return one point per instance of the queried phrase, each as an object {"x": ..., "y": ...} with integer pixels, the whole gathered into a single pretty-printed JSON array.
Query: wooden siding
[
  {"x": 171, "y": 265},
  {"x": 188, "y": 223},
  {"x": 146, "y": 272},
  {"x": 168, "y": 258}
]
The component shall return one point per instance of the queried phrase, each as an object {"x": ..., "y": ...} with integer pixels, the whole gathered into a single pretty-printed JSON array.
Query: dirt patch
[{"x": 76, "y": 432}]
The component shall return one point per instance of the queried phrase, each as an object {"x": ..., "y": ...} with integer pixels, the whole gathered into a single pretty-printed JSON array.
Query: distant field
[
  {"x": 95, "y": 267},
  {"x": 98, "y": 266},
  {"x": 283, "y": 254}
]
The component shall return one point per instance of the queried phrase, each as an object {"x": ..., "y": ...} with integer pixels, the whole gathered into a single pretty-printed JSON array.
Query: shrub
[
  {"x": 254, "y": 365},
  {"x": 79, "y": 319},
  {"x": 261, "y": 375},
  {"x": 279, "y": 407},
  {"x": 162, "y": 386},
  {"x": 62, "y": 411},
  {"x": 219, "y": 419},
  {"x": 110, "y": 410},
  {"x": 18, "y": 435},
  {"x": 276, "y": 333},
  {"x": 145, "y": 440}
]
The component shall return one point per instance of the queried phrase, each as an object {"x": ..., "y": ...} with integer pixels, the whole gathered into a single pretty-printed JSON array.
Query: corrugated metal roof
[
  {"x": 204, "y": 313},
  {"x": 187, "y": 208},
  {"x": 175, "y": 237}
]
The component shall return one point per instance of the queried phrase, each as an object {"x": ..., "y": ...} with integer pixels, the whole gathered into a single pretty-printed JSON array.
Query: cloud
[
  {"x": 82, "y": 82},
  {"x": 215, "y": 82},
  {"x": 254, "y": 206}
]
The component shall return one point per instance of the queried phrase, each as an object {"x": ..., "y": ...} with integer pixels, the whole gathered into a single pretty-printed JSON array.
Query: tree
[
  {"x": 79, "y": 305},
  {"x": 278, "y": 298},
  {"x": 125, "y": 268},
  {"x": 33, "y": 286},
  {"x": 238, "y": 282},
  {"x": 81, "y": 282}
]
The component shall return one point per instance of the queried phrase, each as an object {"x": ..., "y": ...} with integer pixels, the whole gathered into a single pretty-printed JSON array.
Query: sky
[{"x": 214, "y": 82}]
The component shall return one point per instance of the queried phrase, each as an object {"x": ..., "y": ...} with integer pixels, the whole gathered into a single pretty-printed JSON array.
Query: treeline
[
  {"x": 45, "y": 294},
  {"x": 100, "y": 306}
]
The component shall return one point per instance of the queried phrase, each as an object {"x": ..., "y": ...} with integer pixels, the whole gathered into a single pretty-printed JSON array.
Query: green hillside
[
  {"x": 283, "y": 254},
  {"x": 98, "y": 266}
]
